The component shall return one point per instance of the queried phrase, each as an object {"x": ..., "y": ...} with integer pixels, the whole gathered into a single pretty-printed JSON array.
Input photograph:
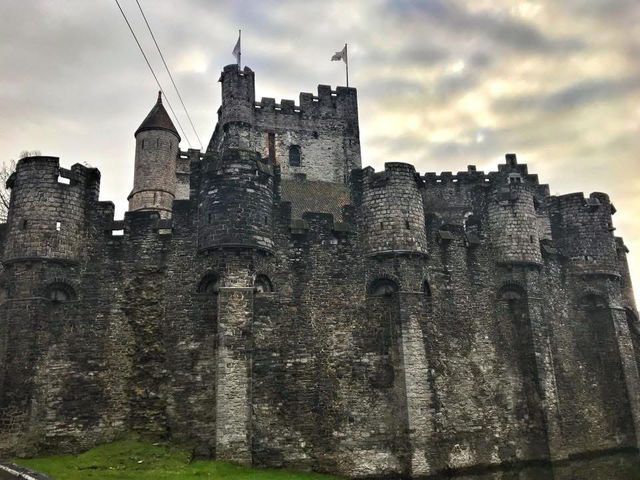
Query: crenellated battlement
[
  {"x": 338, "y": 103},
  {"x": 508, "y": 173}
]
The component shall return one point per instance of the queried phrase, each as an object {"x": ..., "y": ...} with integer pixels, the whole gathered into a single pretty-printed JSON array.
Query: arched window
[
  {"x": 383, "y": 286},
  {"x": 209, "y": 284},
  {"x": 294, "y": 155},
  {"x": 60, "y": 292},
  {"x": 262, "y": 284}
]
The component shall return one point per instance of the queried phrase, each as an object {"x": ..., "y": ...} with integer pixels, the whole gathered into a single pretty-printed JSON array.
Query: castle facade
[{"x": 271, "y": 302}]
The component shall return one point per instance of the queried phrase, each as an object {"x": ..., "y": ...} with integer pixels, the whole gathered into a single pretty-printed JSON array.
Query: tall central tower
[{"x": 154, "y": 181}]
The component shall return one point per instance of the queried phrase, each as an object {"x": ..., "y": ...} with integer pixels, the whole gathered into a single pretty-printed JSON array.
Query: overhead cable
[
  {"x": 169, "y": 73},
  {"x": 152, "y": 72}
]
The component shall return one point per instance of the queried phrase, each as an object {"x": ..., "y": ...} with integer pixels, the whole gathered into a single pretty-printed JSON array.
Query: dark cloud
[
  {"x": 507, "y": 32},
  {"x": 574, "y": 96}
]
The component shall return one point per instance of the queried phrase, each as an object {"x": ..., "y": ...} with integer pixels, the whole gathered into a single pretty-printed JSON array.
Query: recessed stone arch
[
  {"x": 209, "y": 283},
  {"x": 59, "y": 292},
  {"x": 383, "y": 286},
  {"x": 262, "y": 284},
  {"x": 512, "y": 291}
]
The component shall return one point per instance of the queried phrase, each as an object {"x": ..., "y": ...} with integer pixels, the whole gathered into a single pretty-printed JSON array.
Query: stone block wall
[{"x": 268, "y": 339}]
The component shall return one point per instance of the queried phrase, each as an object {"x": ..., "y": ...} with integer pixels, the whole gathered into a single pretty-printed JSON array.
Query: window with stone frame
[{"x": 294, "y": 156}]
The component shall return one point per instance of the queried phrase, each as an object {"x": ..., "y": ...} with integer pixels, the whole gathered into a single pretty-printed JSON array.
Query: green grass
[{"x": 142, "y": 460}]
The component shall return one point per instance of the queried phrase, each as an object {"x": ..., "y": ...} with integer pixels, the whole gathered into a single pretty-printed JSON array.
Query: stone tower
[{"x": 154, "y": 181}]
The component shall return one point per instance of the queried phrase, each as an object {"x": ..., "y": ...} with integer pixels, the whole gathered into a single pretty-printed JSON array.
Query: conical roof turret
[{"x": 158, "y": 119}]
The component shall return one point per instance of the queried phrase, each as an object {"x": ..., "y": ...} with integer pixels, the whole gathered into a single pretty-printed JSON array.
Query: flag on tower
[
  {"x": 236, "y": 50},
  {"x": 341, "y": 55}
]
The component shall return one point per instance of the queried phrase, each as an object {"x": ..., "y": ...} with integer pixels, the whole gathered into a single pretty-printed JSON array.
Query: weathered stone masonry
[{"x": 272, "y": 303}]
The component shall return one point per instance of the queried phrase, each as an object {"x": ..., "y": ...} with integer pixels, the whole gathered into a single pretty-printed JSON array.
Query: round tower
[
  {"x": 236, "y": 112},
  {"x": 583, "y": 231},
  {"x": 512, "y": 222},
  {"x": 47, "y": 209},
  {"x": 393, "y": 211},
  {"x": 511, "y": 215},
  {"x": 236, "y": 202},
  {"x": 154, "y": 180}
]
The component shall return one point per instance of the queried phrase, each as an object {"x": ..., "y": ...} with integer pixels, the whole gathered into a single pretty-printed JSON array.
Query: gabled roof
[{"x": 158, "y": 119}]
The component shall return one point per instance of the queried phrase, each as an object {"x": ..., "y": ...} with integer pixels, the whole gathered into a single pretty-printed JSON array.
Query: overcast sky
[{"x": 441, "y": 83}]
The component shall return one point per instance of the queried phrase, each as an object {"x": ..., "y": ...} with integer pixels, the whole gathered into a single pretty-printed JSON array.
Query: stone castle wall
[{"x": 446, "y": 323}]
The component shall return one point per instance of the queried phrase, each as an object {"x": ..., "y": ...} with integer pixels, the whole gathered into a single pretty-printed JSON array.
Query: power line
[
  {"x": 152, "y": 72},
  {"x": 170, "y": 76}
]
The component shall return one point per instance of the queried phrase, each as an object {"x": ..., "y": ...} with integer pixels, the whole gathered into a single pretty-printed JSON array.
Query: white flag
[
  {"x": 341, "y": 55},
  {"x": 236, "y": 50}
]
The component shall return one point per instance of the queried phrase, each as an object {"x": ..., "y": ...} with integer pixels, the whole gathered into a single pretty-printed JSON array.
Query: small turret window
[
  {"x": 262, "y": 284},
  {"x": 58, "y": 226},
  {"x": 514, "y": 178},
  {"x": 60, "y": 292},
  {"x": 426, "y": 289},
  {"x": 294, "y": 155}
]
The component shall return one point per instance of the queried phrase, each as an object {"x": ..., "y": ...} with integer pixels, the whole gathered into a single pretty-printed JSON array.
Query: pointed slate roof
[{"x": 158, "y": 119}]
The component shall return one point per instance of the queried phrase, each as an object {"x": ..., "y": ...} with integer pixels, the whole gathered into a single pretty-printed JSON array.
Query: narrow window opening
[
  {"x": 117, "y": 233},
  {"x": 64, "y": 181},
  {"x": 381, "y": 226},
  {"x": 210, "y": 218},
  {"x": 266, "y": 220},
  {"x": 294, "y": 155},
  {"x": 142, "y": 145},
  {"x": 262, "y": 284},
  {"x": 24, "y": 224},
  {"x": 58, "y": 225},
  {"x": 272, "y": 148},
  {"x": 406, "y": 225},
  {"x": 531, "y": 238}
]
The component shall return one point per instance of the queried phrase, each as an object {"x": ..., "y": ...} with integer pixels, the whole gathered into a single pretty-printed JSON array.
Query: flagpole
[
  {"x": 346, "y": 63},
  {"x": 240, "y": 49}
]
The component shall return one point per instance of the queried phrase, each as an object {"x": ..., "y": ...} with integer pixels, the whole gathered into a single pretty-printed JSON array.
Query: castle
[{"x": 270, "y": 302}]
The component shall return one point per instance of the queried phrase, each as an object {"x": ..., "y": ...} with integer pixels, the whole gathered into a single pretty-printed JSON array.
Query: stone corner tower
[{"x": 154, "y": 181}]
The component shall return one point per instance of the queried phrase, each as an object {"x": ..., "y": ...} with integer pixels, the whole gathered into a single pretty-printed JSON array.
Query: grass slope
[{"x": 141, "y": 460}]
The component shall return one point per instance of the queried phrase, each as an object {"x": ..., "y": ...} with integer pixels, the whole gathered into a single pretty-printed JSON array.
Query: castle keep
[{"x": 271, "y": 302}]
